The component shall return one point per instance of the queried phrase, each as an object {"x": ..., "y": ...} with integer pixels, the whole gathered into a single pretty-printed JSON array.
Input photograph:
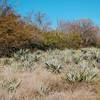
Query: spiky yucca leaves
[
  {"x": 23, "y": 55},
  {"x": 11, "y": 85},
  {"x": 80, "y": 74},
  {"x": 25, "y": 59},
  {"x": 53, "y": 65},
  {"x": 55, "y": 60}
]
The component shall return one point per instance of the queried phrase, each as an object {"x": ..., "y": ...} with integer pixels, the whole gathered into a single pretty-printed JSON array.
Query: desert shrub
[
  {"x": 74, "y": 40},
  {"x": 54, "y": 40},
  {"x": 16, "y": 34},
  {"x": 61, "y": 41}
]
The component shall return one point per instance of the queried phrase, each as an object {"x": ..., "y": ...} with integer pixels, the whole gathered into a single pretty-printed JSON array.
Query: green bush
[
  {"x": 54, "y": 40},
  {"x": 60, "y": 40},
  {"x": 74, "y": 40}
]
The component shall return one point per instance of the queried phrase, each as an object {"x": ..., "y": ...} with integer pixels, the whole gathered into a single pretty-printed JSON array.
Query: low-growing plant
[
  {"x": 78, "y": 74},
  {"x": 23, "y": 55},
  {"x": 11, "y": 85},
  {"x": 54, "y": 66},
  {"x": 53, "y": 60},
  {"x": 42, "y": 89},
  {"x": 25, "y": 59}
]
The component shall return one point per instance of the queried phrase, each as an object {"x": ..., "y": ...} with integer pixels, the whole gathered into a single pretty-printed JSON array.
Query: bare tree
[
  {"x": 62, "y": 26},
  {"x": 28, "y": 18},
  {"x": 4, "y": 8},
  {"x": 88, "y": 31},
  {"x": 84, "y": 27},
  {"x": 42, "y": 21}
]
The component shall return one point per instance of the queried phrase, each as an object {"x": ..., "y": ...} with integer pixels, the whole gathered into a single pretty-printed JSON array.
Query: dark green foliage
[{"x": 54, "y": 40}]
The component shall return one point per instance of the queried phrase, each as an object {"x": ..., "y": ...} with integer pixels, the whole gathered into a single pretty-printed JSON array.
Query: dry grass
[
  {"x": 44, "y": 85},
  {"x": 76, "y": 95}
]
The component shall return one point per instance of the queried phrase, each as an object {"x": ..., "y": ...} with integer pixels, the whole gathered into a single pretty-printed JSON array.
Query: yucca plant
[
  {"x": 11, "y": 85},
  {"x": 25, "y": 59},
  {"x": 54, "y": 66},
  {"x": 78, "y": 74},
  {"x": 27, "y": 55},
  {"x": 56, "y": 59}
]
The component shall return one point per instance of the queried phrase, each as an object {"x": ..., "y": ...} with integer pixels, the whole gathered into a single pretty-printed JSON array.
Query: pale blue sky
[{"x": 61, "y": 9}]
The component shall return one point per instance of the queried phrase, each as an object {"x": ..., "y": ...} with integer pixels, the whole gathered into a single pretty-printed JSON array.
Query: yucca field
[
  {"x": 51, "y": 75},
  {"x": 49, "y": 50}
]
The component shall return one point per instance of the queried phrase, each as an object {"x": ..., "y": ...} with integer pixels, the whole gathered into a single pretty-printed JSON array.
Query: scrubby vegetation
[
  {"x": 17, "y": 33},
  {"x": 51, "y": 75},
  {"x": 41, "y": 63}
]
